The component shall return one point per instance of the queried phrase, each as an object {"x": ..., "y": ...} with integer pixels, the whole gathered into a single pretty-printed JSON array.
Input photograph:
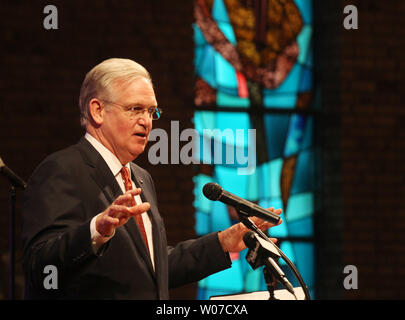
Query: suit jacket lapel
[
  {"x": 99, "y": 171},
  {"x": 102, "y": 175}
]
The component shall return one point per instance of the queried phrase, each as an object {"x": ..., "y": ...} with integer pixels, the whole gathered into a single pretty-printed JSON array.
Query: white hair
[{"x": 99, "y": 80}]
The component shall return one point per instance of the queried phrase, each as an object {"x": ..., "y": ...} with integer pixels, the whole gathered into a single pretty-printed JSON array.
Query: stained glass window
[{"x": 254, "y": 70}]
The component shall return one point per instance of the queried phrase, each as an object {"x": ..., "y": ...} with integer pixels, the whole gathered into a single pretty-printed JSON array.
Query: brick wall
[
  {"x": 373, "y": 157},
  {"x": 362, "y": 221}
]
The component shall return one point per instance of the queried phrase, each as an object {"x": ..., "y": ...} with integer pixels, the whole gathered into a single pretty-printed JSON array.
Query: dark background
[{"x": 360, "y": 74}]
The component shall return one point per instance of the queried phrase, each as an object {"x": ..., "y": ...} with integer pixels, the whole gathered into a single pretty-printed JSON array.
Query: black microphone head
[
  {"x": 250, "y": 240},
  {"x": 253, "y": 256},
  {"x": 212, "y": 191}
]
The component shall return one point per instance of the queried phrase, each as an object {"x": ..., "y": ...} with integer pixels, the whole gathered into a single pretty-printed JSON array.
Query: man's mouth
[{"x": 140, "y": 134}]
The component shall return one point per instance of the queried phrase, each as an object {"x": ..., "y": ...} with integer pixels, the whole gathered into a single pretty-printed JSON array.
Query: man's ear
[{"x": 96, "y": 110}]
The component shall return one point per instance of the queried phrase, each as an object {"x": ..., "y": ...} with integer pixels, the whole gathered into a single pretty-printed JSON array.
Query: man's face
[{"x": 125, "y": 135}]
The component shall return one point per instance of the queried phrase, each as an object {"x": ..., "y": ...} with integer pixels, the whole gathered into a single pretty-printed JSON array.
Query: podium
[{"x": 281, "y": 294}]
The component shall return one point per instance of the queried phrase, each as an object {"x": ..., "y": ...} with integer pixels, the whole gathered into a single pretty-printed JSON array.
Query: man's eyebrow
[
  {"x": 135, "y": 104},
  {"x": 140, "y": 104}
]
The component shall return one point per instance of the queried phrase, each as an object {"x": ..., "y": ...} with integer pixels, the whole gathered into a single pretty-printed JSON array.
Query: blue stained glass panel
[
  {"x": 288, "y": 250},
  {"x": 295, "y": 135},
  {"x": 200, "y": 201},
  {"x": 305, "y": 7},
  {"x": 231, "y": 181},
  {"x": 227, "y": 100},
  {"x": 202, "y": 224},
  {"x": 198, "y": 54},
  {"x": 263, "y": 172},
  {"x": 304, "y": 174},
  {"x": 253, "y": 190},
  {"x": 225, "y": 75},
  {"x": 304, "y": 43},
  {"x": 275, "y": 176},
  {"x": 300, "y": 206},
  {"x": 206, "y": 68},
  {"x": 253, "y": 280},
  {"x": 207, "y": 150},
  {"x": 301, "y": 228},
  {"x": 277, "y": 203},
  {"x": 281, "y": 230},
  {"x": 204, "y": 120},
  {"x": 245, "y": 267},
  {"x": 304, "y": 255},
  {"x": 276, "y": 127},
  {"x": 307, "y": 140},
  {"x": 306, "y": 80},
  {"x": 199, "y": 38},
  {"x": 291, "y": 83},
  {"x": 220, "y": 220},
  {"x": 234, "y": 121},
  {"x": 282, "y": 101},
  {"x": 219, "y": 12},
  {"x": 286, "y": 135},
  {"x": 227, "y": 30}
]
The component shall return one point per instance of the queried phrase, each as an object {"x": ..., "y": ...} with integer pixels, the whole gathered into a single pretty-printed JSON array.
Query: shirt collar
[{"x": 112, "y": 161}]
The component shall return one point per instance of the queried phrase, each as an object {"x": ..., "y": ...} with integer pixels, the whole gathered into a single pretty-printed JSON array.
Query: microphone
[
  {"x": 15, "y": 180},
  {"x": 215, "y": 192},
  {"x": 261, "y": 252}
]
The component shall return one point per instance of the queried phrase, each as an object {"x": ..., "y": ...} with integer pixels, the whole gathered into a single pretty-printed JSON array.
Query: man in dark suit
[{"x": 92, "y": 214}]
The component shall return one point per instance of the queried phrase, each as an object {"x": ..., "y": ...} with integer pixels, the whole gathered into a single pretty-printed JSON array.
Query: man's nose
[{"x": 145, "y": 119}]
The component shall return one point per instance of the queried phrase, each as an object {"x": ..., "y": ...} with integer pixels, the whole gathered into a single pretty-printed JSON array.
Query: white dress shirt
[{"x": 115, "y": 166}]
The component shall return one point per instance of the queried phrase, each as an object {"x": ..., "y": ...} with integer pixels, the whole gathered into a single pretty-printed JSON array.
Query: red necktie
[{"x": 138, "y": 218}]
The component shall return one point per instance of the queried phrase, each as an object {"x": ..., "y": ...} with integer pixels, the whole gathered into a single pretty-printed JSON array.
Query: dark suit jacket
[{"x": 64, "y": 193}]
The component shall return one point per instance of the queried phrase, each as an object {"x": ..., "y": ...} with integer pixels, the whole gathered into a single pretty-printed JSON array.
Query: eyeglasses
[{"x": 136, "y": 111}]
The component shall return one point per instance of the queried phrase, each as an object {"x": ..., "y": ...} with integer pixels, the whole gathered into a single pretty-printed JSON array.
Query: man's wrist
[
  {"x": 97, "y": 239},
  {"x": 222, "y": 240}
]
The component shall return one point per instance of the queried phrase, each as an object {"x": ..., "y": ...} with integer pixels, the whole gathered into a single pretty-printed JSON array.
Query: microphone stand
[
  {"x": 244, "y": 218},
  {"x": 268, "y": 277},
  {"x": 15, "y": 182},
  {"x": 12, "y": 197}
]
